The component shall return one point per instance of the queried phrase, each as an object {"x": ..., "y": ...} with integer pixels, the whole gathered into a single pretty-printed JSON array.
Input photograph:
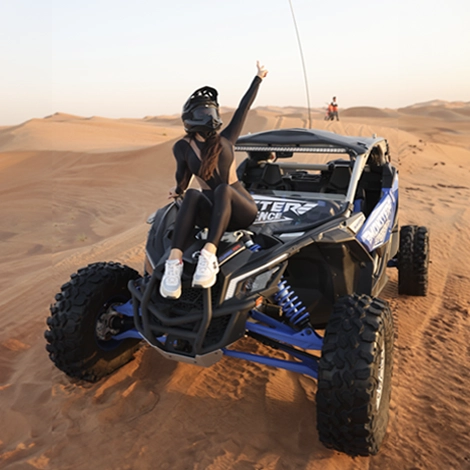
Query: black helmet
[{"x": 201, "y": 111}]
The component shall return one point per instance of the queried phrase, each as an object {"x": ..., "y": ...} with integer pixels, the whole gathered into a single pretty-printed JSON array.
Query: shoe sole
[{"x": 169, "y": 294}]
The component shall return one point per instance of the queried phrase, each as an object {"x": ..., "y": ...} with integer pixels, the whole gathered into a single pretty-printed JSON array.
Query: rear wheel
[
  {"x": 354, "y": 376},
  {"x": 83, "y": 321},
  {"x": 413, "y": 260}
]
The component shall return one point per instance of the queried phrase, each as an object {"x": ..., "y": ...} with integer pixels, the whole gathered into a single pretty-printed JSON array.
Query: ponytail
[{"x": 209, "y": 155}]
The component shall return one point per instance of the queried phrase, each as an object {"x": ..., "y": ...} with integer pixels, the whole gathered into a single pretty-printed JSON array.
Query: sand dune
[
  {"x": 368, "y": 112},
  {"x": 441, "y": 103},
  {"x": 438, "y": 112},
  {"x": 77, "y": 190},
  {"x": 66, "y": 132}
]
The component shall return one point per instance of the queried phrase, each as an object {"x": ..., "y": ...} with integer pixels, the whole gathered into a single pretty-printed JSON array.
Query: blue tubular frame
[
  {"x": 305, "y": 339},
  {"x": 282, "y": 333},
  {"x": 269, "y": 328}
]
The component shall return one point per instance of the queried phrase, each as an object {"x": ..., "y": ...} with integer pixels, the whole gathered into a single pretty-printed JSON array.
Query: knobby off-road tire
[
  {"x": 73, "y": 344},
  {"x": 354, "y": 376},
  {"x": 413, "y": 260}
]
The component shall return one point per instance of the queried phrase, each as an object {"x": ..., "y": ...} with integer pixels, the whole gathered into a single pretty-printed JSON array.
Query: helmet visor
[{"x": 203, "y": 113}]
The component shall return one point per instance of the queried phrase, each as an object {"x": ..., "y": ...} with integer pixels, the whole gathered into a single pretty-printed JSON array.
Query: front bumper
[{"x": 191, "y": 329}]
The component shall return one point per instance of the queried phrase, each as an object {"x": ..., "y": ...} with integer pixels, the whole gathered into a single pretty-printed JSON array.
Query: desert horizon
[
  {"x": 124, "y": 133},
  {"x": 77, "y": 190}
]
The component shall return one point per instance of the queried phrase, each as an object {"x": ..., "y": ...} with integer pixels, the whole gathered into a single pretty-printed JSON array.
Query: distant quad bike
[
  {"x": 305, "y": 277},
  {"x": 331, "y": 113},
  {"x": 329, "y": 116}
]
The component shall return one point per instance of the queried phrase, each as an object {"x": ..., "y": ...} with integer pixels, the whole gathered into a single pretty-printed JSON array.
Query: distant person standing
[{"x": 333, "y": 109}]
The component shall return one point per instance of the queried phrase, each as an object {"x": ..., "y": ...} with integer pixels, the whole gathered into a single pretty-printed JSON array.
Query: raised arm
[{"x": 233, "y": 130}]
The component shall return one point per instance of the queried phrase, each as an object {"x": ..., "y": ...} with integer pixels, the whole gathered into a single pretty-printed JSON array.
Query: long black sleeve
[
  {"x": 233, "y": 130},
  {"x": 183, "y": 173}
]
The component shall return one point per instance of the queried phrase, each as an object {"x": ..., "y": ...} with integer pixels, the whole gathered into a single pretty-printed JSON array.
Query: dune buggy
[{"x": 304, "y": 280}]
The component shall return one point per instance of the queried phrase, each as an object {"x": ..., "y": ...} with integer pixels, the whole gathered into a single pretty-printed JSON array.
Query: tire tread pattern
[
  {"x": 71, "y": 341},
  {"x": 347, "y": 418},
  {"x": 413, "y": 261}
]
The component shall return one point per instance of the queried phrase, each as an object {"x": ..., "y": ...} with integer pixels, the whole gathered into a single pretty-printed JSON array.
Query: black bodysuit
[{"x": 224, "y": 204}]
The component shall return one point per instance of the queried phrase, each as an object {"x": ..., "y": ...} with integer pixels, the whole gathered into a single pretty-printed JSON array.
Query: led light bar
[{"x": 276, "y": 148}]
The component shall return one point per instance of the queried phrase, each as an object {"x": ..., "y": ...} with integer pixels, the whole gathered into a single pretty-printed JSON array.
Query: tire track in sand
[{"x": 433, "y": 353}]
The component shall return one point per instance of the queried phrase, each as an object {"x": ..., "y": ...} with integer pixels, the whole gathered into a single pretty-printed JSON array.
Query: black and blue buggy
[{"x": 304, "y": 280}]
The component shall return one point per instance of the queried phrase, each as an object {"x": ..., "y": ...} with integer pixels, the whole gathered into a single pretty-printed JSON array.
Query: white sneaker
[
  {"x": 170, "y": 287},
  {"x": 206, "y": 270}
]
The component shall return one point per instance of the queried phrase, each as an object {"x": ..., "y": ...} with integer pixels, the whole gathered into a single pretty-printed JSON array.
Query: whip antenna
[{"x": 303, "y": 65}]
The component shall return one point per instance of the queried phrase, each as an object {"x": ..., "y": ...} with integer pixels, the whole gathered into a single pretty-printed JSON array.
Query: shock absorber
[{"x": 295, "y": 312}]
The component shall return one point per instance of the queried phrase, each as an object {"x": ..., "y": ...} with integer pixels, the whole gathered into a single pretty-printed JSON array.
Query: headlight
[{"x": 250, "y": 283}]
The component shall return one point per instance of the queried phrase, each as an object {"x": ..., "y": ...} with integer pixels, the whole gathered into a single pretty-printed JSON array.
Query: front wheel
[
  {"x": 83, "y": 321},
  {"x": 354, "y": 376}
]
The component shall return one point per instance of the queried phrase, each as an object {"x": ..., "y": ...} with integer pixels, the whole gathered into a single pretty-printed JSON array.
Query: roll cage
[{"x": 267, "y": 167}]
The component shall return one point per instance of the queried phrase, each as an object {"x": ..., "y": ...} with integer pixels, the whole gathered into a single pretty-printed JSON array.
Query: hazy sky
[{"x": 134, "y": 58}]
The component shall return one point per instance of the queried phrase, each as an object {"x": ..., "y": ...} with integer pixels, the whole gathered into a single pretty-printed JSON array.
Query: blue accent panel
[
  {"x": 125, "y": 309},
  {"x": 378, "y": 227},
  {"x": 255, "y": 247},
  {"x": 358, "y": 205},
  {"x": 271, "y": 328},
  {"x": 310, "y": 369}
]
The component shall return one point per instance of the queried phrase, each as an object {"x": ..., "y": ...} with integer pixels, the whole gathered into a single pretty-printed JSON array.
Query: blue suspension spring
[{"x": 296, "y": 313}]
